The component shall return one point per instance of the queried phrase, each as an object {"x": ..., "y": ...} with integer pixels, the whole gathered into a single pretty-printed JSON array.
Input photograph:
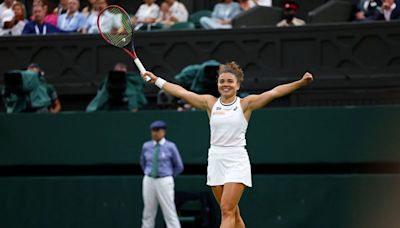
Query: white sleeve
[
  {"x": 181, "y": 13},
  {"x": 155, "y": 11},
  {"x": 117, "y": 19},
  {"x": 139, "y": 11}
]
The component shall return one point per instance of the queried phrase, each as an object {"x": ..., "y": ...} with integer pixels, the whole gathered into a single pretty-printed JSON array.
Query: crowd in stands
[
  {"x": 369, "y": 10},
  {"x": 68, "y": 16}
]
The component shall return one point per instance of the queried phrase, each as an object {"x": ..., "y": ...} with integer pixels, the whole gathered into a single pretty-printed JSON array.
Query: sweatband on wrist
[{"x": 160, "y": 82}]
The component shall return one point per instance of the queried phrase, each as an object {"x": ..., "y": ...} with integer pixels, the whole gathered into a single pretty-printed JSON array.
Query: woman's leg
[
  {"x": 217, "y": 191},
  {"x": 238, "y": 219},
  {"x": 231, "y": 194}
]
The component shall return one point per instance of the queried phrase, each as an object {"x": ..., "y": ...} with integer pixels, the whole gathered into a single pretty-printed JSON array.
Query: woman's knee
[{"x": 228, "y": 210}]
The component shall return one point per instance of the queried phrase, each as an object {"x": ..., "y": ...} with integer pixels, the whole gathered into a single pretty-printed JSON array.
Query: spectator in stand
[
  {"x": 91, "y": 20},
  {"x": 50, "y": 17},
  {"x": 15, "y": 20},
  {"x": 389, "y": 11},
  {"x": 6, "y": 5},
  {"x": 366, "y": 10},
  {"x": 38, "y": 26},
  {"x": 290, "y": 9},
  {"x": 146, "y": 14},
  {"x": 87, "y": 10},
  {"x": 61, "y": 8},
  {"x": 222, "y": 15},
  {"x": 72, "y": 20},
  {"x": 172, "y": 12}
]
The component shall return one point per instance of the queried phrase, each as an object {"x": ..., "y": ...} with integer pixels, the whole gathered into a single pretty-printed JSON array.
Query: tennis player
[{"x": 228, "y": 171}]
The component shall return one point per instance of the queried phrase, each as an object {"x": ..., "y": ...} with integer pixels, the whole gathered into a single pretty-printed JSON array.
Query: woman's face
[
  {"x": 18, "y": 11},
  {"x": 228, "y": 84}
]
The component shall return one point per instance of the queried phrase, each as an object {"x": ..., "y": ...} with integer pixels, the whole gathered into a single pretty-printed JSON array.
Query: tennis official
[{"x": 161, "y": 162}]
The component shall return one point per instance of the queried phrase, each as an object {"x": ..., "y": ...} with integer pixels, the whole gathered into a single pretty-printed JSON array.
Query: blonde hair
[{"x": 233, "y": 68}]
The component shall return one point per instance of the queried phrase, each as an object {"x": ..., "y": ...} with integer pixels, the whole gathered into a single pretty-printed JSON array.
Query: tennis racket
[{"x": 115, "y": 27}]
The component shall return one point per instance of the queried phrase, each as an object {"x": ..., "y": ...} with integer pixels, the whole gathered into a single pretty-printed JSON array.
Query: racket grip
[{"x": 141, "y": 68}]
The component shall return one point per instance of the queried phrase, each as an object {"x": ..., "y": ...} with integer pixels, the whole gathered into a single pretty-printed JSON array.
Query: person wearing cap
[
  {"x": 5, "y": 5},
  {"x": 161, "y": 162},
  {"x": 290, "y": 9},
  {"x": 14, "y": 20},
  {"x": 55, "y": 105}
]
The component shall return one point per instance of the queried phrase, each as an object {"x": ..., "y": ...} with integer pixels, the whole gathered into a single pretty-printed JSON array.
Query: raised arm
[
  {"x": 199, "y": 101},
  {"x": 254, "y": 102}
]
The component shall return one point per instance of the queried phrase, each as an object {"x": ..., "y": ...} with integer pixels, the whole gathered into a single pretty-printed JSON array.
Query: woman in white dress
[{"x": 228, "y": 170}]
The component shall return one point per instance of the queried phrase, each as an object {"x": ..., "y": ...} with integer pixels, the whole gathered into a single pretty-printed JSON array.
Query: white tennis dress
[{"x": 228, "y": 160}]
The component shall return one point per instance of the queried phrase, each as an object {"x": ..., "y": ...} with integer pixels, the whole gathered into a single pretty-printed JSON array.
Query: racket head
[{"x": 114, "y": 25}]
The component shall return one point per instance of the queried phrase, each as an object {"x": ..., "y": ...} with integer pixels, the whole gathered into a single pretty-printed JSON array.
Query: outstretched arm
[
  {"x": 254, "y": 102},
  {"x": 196, "y": 100}
]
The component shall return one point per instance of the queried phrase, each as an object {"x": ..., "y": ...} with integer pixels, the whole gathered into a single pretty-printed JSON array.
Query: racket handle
[{"x": 141, "y": 68}]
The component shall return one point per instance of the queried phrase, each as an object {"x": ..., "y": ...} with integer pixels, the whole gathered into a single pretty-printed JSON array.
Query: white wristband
[{"x": 160, "y": 82}]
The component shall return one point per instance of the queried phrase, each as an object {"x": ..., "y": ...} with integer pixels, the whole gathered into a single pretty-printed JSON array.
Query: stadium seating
[
  {"x": 330, "y": 12},
  {"x": 195, "y": 17},
  {"x": 258, "y": 16}
]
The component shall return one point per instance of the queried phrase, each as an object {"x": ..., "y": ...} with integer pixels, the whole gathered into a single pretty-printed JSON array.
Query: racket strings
[{"x": 115, "y": 25}]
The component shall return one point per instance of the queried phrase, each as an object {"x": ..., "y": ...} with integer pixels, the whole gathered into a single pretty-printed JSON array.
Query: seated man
[
  {"x": 172, "y": 12},
  {"x": 290, "y": 9},
  {"x": 389, "y": 11},
  {"x": 222, "y": 15},
  {"x": 146, "y": 14},
  {"x": 73, "y": 20},
  {"x": 38, "y": 26},
  {"x": 365, "y": 10}
]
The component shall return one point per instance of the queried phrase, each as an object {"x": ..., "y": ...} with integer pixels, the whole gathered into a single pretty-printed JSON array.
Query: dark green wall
[
  {"x": 275, "y": 201},
  {"x": 296, "y": 135}
]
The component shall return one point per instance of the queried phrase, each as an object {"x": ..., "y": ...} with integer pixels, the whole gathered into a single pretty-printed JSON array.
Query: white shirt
[
  {"x": 263, "y": 2},
  {"x": 387, "y": 13},
  {"x": 179, "y": 11},
  {"x": 145, "y": 12},
  {"x": 161, "y": 142},
  {"x": 72, "y": 22},
  {"x": 3, "y": 8},
  {"x": 108, "y": 22},
  {"x": 295, "y": 22},
  {"x": 227, "y": 124},
  {"x": 91, "y": 22}
]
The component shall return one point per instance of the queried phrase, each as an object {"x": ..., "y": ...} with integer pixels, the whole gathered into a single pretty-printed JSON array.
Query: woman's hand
[
  {"x": 150, "y": 75},
  {"x": 307, "y": 78}
]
